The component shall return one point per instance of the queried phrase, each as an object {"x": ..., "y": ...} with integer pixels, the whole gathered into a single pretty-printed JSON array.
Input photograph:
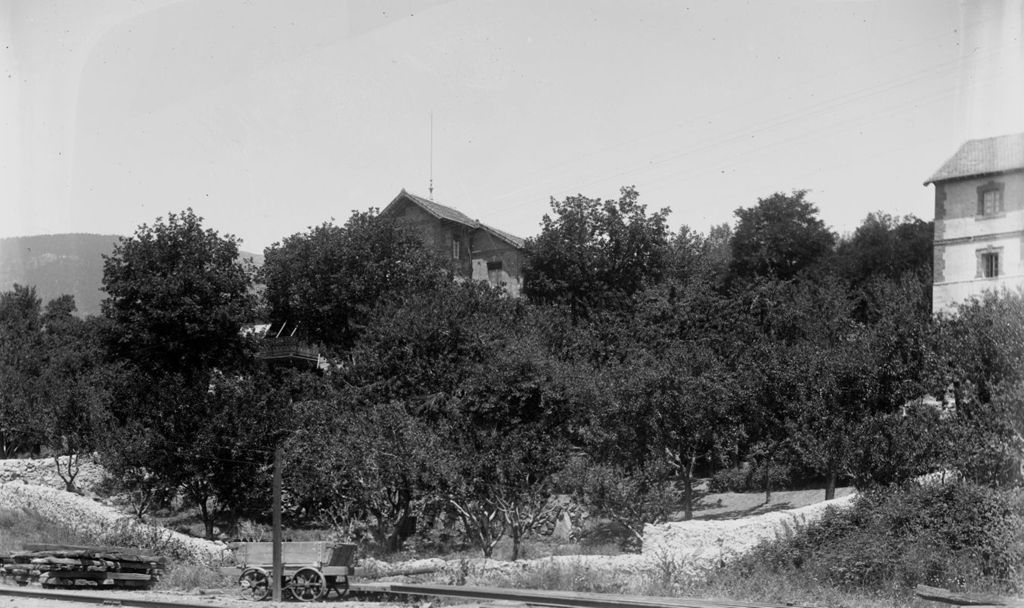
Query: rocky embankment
[
  {"x": 85, "y": 517},
  {"x": 687, "y": 548},
  {"x": 43, "y": 472}
]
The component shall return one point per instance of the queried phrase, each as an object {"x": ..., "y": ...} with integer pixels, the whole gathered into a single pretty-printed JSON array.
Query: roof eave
[{"x": 937, "y": 180}]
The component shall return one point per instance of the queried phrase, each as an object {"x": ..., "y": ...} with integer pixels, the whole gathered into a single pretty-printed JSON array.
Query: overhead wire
[{"x": 800, "y": 114}]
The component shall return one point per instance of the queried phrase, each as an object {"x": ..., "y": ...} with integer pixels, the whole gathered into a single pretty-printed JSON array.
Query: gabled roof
[
  {"x": 982, "y": 157},
  {"x": 435, "y": 209},
  {"x": 511, "y": 239},
  {"x": 451, "y": 214}
]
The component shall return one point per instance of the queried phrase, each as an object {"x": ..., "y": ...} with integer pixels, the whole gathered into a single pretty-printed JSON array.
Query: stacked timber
[{"x": 74, "y": 566}]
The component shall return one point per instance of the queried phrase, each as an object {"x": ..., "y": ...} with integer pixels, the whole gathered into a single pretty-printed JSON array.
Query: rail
[
  {"x": 945, "y": 596},
  {"x": 554, "y": 599}
]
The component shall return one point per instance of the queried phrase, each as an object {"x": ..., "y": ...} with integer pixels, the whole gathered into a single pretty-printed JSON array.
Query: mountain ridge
[{"x": 67, "y": 263}]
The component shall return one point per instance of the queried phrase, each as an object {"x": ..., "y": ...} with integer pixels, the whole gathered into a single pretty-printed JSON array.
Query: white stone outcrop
[
  {"x": 91, "y": 519},
  {"x": 43, "y": 472},
  {"x": 702, "y": 544}
]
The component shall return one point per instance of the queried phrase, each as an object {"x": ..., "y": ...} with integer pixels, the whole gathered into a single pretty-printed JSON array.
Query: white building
[{"x": 979, "y": 220}]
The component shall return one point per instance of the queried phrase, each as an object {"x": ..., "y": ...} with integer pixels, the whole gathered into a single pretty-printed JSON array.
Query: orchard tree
[
  {"x": 351, "y": 460},
  {"x": 778, "y": 237},
  {"x": 980, "y": 366},
  {"x": 885, "y": 246},
  {"x": 21, "y": 362},
  {"x": 52, "y": 380},
  {"x": 594, "y": 253},
  {"x": 508, "y": 437},
  {"x": 697, "y": 257},
  {"x": 75, "y": 386},
  {"x": 328, "y": 279},
  {"x": 178, "y": 296}
]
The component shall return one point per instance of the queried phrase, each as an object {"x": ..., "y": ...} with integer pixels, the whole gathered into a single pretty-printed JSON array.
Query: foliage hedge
[{"x": 957, "y": 535}]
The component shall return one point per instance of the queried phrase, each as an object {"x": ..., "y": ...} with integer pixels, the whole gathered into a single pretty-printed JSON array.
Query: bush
[{"x": 954, "y": 535}]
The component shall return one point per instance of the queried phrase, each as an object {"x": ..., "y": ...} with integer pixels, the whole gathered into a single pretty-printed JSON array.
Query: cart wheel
[
  {"x": 338, "y": 587},
  {"x": 254, "y": 584},
  {"x": 307, "y": 585}
]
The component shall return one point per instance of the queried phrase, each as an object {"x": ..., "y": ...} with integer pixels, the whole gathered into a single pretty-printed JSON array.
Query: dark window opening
[
  {"x": 990, "y": 199},
  {"x": 990, "y": 265}
]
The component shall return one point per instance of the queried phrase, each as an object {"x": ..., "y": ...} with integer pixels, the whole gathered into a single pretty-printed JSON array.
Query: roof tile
[
  {"x": 448, "y": 213},
  {"x": 983, "y": 156}
]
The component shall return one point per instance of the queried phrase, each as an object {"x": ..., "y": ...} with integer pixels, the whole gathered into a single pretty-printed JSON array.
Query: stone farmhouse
[
  {"x": 979, "y": 220},
  {"x": 477, "y": 251}
]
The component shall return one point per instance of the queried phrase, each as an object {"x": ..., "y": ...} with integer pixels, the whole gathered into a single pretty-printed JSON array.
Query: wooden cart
[{"x": 311, "y": 569}]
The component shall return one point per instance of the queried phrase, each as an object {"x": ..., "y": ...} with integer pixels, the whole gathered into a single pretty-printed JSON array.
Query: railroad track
[
  {"x": 552, "y": 599},
  {"x": 93, "y": 598}
]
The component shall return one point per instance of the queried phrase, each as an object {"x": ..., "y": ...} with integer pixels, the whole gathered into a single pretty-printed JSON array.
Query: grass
[
  {"x": 667, "y": 579},
  {"x": 733, "y": 505},
  {"x": 189, "y": 577},
  {"x": 20, "y": 527}
]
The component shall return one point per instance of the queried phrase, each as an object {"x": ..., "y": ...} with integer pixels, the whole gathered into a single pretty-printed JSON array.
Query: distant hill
[{"x": 57, "y": 264}]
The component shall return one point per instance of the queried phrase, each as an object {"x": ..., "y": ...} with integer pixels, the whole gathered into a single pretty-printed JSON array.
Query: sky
[{"x": 268, "y": 117}]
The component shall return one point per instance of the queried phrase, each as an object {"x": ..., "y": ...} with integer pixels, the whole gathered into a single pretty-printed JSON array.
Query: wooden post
[{"x": 278, "y": 570}]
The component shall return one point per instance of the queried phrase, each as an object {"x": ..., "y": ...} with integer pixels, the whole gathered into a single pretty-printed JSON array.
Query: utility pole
[{"x": 278, "y": 570}]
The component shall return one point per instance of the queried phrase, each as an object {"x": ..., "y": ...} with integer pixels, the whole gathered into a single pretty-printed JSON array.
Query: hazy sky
[{"x": 269, "y": 117}]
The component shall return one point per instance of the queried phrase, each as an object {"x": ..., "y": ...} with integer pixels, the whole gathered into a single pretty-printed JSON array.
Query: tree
[
  {"x": 778, "y": 237},
  {"x": 979, "y": 367},
  {"x": 463, "y": 363},
  {"x": 631, "y": 497},
  {"x": 507, "y": 439},
  {"x": 327, "y": 280},
  {"x": 75, "y": 387},
  {"x": 21, "y": 360},
  {"x": 177, "y": 298},
  {"x": 52, "y": 381},
  {"x": 593, "y": 253},
  {"x": 699, "y": 257},
  {"x": 884, "y": 246},
  {"x": 349, "y": 459}
]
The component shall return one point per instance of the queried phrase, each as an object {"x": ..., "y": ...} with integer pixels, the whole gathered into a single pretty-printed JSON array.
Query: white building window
[
  {"x": 989, "y": 262},
  {"x": 990, "y": 199},
  {"x": 455, "y": 249}
]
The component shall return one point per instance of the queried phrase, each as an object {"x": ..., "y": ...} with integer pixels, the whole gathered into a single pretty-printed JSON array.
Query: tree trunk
[
  {"x": 830, "y": 485},
  {"x": 767, "y": 481},
  {"x": 516, "y": 542},
  {"x": 68, "y": 476},
  {"x": 207, "y": 518},
  {"x": 687, "y": 475}
]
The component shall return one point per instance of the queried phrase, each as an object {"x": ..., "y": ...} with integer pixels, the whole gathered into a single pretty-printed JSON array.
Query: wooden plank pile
[{"x": 62, "y": 566}]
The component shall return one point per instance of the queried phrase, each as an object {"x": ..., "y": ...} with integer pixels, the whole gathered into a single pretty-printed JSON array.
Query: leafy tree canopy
[
  {"x": 594, "y": 253},
  {"x": 328, "y": 279},
  {"x": 885, "y": 246},
  {"x": 778, "y": 237},
  {"x": 177, "y": 295}
]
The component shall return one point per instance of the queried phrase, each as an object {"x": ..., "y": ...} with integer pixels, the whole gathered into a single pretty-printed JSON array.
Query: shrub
[
  {"x": 185, "y": 577},
  {"x": 956, "y": 535}
]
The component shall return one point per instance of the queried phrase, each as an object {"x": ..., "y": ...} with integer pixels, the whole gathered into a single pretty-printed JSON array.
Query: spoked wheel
[
  {"x": 307, "y": 585},
  {"x": 254, "y": 584},
  {"x": 340, "y": 587}
]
